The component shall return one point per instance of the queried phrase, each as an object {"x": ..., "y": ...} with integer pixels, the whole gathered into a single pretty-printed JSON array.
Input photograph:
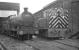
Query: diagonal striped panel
[
  {"x": 58, "y": 18},
  {"x": 51, "y": 22},
  {"x": 58, "y": 21},
  {"x": 61, "y": 25}
]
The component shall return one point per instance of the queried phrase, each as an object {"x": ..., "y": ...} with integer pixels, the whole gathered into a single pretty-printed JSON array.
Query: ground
[{"x": 38, "y": 44}]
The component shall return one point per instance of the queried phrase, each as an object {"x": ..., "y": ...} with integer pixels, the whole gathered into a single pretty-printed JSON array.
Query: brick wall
[{"x": 75, "y": 16}]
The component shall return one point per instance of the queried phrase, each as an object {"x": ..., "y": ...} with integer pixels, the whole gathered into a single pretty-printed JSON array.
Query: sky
[{"x": 32, "y": 5}]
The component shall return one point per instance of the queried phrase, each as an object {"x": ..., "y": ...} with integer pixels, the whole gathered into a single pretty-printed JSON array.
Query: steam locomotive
[{"x": 19, "y": 27}]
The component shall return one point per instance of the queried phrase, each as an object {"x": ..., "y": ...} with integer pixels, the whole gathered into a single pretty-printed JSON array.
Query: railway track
[{"x": 39, "y": 44}]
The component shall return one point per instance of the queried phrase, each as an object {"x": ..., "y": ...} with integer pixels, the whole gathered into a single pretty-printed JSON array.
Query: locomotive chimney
[{"x": 25, "y": 9}]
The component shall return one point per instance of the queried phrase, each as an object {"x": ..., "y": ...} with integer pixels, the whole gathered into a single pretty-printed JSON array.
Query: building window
[{"x": 6, "y": 13}]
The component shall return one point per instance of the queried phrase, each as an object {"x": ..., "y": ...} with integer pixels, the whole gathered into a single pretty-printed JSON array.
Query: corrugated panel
[{"x": 9, "y": 6}]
